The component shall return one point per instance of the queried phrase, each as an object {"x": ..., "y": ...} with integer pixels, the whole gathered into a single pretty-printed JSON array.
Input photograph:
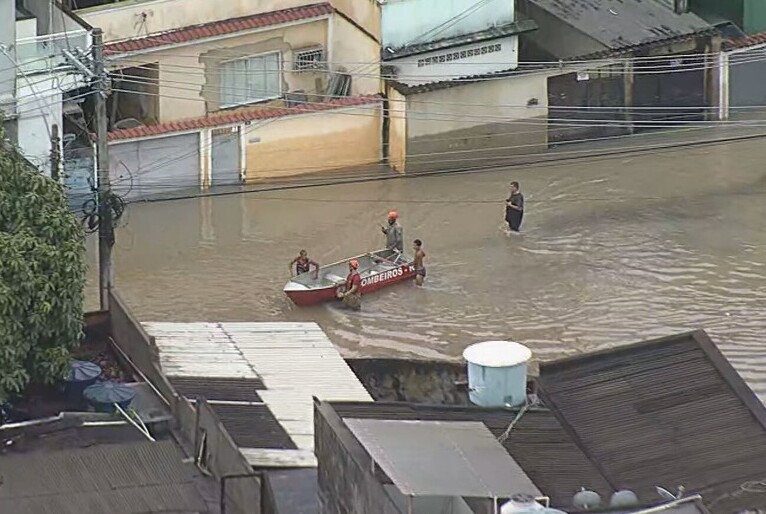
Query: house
[
  {"x": 239, "y": 91},
  {"x": 666, "y": 71},
  {"x": 664, "y": 413},
  {"x": 38, "y": 86},
  {"x": 747, "y": 15},
  {"x": 611, "y": 80}
]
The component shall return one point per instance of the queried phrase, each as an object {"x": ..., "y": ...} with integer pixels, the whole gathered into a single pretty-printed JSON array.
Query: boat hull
[{"x": 304, "y": 291}]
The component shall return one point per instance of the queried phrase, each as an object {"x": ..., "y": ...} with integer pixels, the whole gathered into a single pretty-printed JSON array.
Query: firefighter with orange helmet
[{"x": 394, "y": 233}]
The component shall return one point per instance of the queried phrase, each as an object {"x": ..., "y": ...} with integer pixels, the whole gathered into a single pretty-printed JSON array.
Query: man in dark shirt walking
[{"x": 514, "y": 208}]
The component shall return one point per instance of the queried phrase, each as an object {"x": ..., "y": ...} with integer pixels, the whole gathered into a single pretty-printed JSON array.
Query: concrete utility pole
[
  {"x": 55, "y": 153},
  {"x": 105, "y": 221}
]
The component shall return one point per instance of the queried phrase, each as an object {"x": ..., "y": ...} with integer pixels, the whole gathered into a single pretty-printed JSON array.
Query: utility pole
[
  {"x": 55, "y": 153},
  {"x": 105, "y": 221}
]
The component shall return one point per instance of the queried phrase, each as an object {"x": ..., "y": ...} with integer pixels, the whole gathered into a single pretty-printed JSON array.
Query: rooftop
[
  {"x": 260, "y": 379},
  {"x": 620, "y": 23},
  {"x": 218, "y": 28},
  {"x": 656, "y": 413},
  {"x": 70, "y": 464},
  {"x": 243, "y": 115},
  {"x": 464, "y": 39}
]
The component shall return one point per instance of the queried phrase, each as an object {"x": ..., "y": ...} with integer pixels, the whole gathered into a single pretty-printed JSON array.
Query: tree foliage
[{"x": 42, "y": 276}]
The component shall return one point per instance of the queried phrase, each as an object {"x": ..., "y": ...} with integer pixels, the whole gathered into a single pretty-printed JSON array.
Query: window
[
  {"x": 309, "y": 60},
  {"x": 251, "y": 79}
]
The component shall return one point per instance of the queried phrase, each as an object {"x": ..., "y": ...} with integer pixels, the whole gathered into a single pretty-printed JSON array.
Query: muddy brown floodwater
[{"x": 613, "y": 251}]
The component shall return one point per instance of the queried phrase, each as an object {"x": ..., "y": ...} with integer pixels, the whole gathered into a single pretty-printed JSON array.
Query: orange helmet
[
  {"x": 393, "y": 215},
  {"x": 354, "y": 263}
]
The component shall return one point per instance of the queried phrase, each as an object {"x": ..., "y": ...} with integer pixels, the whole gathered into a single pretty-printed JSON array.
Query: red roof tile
[
  {"x": 239, "y": 116},
  {"x": 744, "y": 42},
  {"x": 219, "y": 28}
]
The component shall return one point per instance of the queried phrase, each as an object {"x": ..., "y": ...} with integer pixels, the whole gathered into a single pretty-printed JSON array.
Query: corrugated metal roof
[
  {"x": 295, "y": 361},
  {"x": 442, "y": 458},
  {"x": 620, "y": 23},
  {"x": 119, "y": 478},
  {"x": 664, "y": 412},
  {"x": 219, "y": 28}
]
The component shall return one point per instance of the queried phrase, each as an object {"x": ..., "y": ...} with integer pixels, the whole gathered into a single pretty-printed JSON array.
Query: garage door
[
  {"x": 166, "y": 166},
  {"x": 746, "y": 73}
]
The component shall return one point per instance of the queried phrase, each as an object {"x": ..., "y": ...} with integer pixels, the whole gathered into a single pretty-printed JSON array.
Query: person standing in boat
[
  {"x": 420, "y": 256},
  {"x": 514, "y": 208},
  {"x": 394, "y": 233},
  {"x": 303, "y": 265},
  {"x": 351, "y": 291}
]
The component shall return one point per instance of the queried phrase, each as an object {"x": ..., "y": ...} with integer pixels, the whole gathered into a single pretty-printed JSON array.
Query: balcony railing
[{"x": 44, "y": 54}]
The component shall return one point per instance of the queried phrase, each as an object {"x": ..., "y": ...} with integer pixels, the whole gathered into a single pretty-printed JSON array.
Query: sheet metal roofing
[
  {"x": 124, "y": 478},
  {"x": 293, "y": 362},
  {"x": 442, "y": 458},
  {"x": 621, "y": 23},
  {"x": 219, "y": 28},
  {"x": 663, "y": 412}
]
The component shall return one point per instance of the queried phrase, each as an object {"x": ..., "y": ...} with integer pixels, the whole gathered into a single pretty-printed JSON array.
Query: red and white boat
[{"x": 378, "y": 269}]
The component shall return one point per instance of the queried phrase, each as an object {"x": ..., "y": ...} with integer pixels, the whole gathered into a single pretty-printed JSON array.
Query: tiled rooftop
[
  {"x": 240, "y": 116},
  {"x": 219, "y": 28}
]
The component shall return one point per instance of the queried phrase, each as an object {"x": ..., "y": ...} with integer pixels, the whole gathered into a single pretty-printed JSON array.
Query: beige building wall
[
  {"x": 311, "y": 143},
  {"x": 189, "y": 75},
  {"x": 142, "y": 17},
  {"x": 357, "y": 53},
  {"x": 397, "y": 130},
  {"x": 477, "y": 124}
]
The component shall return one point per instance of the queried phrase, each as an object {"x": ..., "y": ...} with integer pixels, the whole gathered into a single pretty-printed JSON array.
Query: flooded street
[{"x": 613, "y": 251}]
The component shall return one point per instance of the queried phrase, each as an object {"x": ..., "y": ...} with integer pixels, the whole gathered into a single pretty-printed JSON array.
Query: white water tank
[
  {"x": 523, "y": 504},
  {"x": 497, "y": 373}
]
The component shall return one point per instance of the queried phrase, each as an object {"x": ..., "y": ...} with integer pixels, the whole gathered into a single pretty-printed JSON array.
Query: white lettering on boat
[{"x": 384, "y": 276}]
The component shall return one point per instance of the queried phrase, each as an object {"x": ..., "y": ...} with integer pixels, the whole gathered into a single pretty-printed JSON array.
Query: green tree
[{"x": 42, "y": 276}]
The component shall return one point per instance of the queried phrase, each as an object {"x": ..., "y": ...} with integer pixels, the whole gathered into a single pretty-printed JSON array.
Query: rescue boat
[{"x": 378, "y": 269}]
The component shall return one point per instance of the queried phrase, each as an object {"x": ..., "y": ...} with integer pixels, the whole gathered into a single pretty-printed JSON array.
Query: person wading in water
[
  {"x": 351, "y": 291},
  {"x": 303, "y": 265},
  {"x": 420, "y": 256},
  {"x": 514, "y": 208},
  {"x": 394, "y": 233}
]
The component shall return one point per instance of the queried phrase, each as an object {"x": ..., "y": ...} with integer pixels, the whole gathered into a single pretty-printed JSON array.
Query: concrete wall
[
  {"x": 39, "y": 108},
  {"x": 346, "y": 485},
  {"x": 397, "y": 130},
  {"x": 499, "y": 54},
  {"x": 7, "y": 66},
  {"x": 464, "y": 126},
  {"x": 408, "y": 21},
  {"x": 354, "y": 52},
  {"x": 142, "y": 17},
  {"x": 402, "y": 380},
  {"x": 241, "y": 489},
  {"x": 315, "y": 142},
  {"x": 189, "y": 77}
]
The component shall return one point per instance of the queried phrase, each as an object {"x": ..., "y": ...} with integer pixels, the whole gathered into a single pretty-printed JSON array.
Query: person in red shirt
[{"x": 351, "y": 293}]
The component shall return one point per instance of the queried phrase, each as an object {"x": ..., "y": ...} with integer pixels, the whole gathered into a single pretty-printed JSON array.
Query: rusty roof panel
[{"x": 664, "y": 412}]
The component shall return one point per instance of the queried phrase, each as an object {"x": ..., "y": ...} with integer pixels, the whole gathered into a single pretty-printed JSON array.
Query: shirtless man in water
[
  {"x": 420, "y": 256},
  {"x": 303, "y": 264}
]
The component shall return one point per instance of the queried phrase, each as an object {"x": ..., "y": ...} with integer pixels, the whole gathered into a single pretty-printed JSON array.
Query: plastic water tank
[
  {"x": 523, "y": 504},
  {"x": 82, "y": 374},
  {"x": 103, "y": 395},
  {"x": 497, "y": 373}
]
